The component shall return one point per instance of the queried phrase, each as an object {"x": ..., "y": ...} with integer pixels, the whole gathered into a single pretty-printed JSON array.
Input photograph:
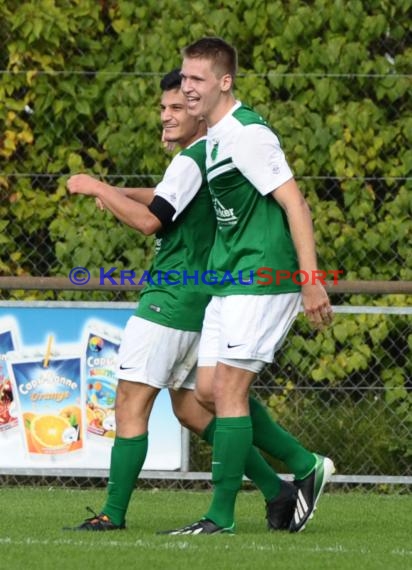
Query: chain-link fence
[
  {"x": 343, "y": 112},
  {"x": 359, "y": 194},
  {"x": 80, "y": 92}
]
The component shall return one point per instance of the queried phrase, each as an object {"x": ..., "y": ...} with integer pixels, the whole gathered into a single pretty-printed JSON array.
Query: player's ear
[{"x": 226, "y": 82}]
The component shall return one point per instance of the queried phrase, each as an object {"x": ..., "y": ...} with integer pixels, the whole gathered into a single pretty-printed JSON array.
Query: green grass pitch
[{"x": 350, "y": 531}]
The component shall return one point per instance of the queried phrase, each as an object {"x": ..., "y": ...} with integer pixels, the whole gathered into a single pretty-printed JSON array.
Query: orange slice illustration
[{"x": 47, "y": 432}]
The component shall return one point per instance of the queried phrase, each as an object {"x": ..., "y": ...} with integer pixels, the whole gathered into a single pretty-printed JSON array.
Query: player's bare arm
[
  {"x": 141, "y": 195},
  {"x": 127, "y": 210},
  {"x": 315, "y": 299}
]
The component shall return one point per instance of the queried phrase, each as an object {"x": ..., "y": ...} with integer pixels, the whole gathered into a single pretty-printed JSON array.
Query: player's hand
[
  {"x": 84, "y": 184},
  {"x": 316, "y": 305}
]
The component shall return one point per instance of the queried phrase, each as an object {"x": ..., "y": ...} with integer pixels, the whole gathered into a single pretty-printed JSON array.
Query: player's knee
[
  {"x": 205, "y": 399},
  {"x": 184, "y": 418},
  {"x": 120, "y": 405}
]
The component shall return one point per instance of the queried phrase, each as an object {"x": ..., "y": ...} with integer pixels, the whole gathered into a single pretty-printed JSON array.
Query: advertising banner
[
  {"x": 58, "y": 387},
  {"x": 8, "y": 342}
]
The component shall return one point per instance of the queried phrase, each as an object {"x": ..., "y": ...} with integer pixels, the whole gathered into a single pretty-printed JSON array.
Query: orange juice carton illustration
[
  {"x": 8, "y": 342},
  {"x": 50, "y": 402},
  {"x": 101, "y": 345}
]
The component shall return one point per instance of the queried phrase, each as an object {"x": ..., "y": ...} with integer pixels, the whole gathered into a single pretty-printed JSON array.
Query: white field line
[{"x": 191, "y": 545}]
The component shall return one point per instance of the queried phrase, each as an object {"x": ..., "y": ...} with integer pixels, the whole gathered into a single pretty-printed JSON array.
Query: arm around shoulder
[{"x": 134, "y": 214}]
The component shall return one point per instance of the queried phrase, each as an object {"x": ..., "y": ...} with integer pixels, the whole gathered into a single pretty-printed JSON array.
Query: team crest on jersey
[
  {"x": 157, "y": 244},
  {"x": 224, "y": 216},
  {"x": 215, "y": 148}
]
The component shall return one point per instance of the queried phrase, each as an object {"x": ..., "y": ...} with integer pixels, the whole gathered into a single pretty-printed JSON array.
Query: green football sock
[
  {"x": 231, "y": 446},
  {"x": 127, "y": 458},
  {"x": 280, "y": 444},
  {"x": 256, "y": 468}
]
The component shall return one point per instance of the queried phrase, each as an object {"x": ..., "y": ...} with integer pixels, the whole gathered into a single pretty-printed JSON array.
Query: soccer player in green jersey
[
  {"x": 264, "y": 234},
  {"x": 159, "y": 345}
]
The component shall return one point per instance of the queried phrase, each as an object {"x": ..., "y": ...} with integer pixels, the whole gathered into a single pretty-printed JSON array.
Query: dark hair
[
  {"x": 223, "y": 55},
  {"x": 171, "y": 80}
]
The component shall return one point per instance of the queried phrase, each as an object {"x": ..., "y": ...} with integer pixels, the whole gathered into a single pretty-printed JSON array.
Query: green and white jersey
[
  {"x": 245, "y": 163},
  {"x": 171, "y": 297}
]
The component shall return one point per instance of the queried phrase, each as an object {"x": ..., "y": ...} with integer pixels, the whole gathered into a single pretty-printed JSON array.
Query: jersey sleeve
[
  {"x": 259, "y": 157},
  {"x": 181, "y": 182}
]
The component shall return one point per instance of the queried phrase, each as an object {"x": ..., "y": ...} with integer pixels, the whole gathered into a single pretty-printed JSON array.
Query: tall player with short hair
[
  {"x": 159, "y": 345},
  {"x": 263, "y": 221}
]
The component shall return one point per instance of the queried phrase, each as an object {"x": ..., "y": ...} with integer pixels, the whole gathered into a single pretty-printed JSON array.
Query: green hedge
[{"x": 79, "y": 92}]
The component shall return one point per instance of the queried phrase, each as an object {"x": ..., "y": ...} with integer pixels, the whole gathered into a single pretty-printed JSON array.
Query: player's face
[
  {"x": 204, "y": 89},
  {"x": 178, "y": 125}
]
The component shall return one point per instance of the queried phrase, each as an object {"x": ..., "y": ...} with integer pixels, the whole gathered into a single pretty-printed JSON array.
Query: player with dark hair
[
  {"x": 159, "y": 344},
  {"x": 263, "y": 222}
]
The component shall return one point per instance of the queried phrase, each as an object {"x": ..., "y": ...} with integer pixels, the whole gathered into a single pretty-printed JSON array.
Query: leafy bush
[{"x": 79, "y": 92}]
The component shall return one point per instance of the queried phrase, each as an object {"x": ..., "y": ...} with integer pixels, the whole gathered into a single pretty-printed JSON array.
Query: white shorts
[
  {"x": 158, "y": 356},
  {"x": 246, "y": 328}
]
